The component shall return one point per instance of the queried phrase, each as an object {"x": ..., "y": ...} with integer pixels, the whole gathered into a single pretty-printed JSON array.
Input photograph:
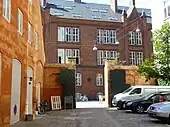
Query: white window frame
[
  {"x": 7, "y": 10},
  {"x": 138, "y": 38},
  {"x": 139, "y": 58},
  {"x": 29, "y": 33},
  {"x": 99, "y": 36},
  {"x": 105, "y": 54},
  {"x": 99, "y": 79},
  {"x": 113, "y": 36},
  {"x": 132, "y": 58},
  {"x": 132, "y": 38},
  {"x": 61, "y": 53},
  {"x": 36, "y": 40},
  {"x": 106, "y": 36},
  {"x": 75, "y": 35},
  {"x": 20, "y": 21},
  {"x": 66, "y": 53},
  {"x": 136, "y": 58},
  {"x": 68, "y": 34},
  {"x": 78, "y": 79},
  {"x": 76, "y": 54},
  {"x": 166, "y": 9}
]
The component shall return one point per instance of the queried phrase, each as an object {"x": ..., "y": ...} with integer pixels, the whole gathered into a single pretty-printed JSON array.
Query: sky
[{"x": 139, "y": 3}]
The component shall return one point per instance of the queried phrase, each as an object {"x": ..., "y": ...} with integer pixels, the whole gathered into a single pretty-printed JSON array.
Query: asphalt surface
[{"x": 99, "y": 117}]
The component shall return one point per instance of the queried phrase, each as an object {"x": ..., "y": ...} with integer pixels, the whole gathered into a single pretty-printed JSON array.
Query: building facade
[
  {"x": 21, "y": 59},
  {"x": 162, "y": 15},
  {"x": 92, "y": 33}
]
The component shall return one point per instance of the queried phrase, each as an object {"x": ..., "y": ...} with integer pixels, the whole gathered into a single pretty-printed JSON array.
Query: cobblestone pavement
[{"x": 91, "y": 118}]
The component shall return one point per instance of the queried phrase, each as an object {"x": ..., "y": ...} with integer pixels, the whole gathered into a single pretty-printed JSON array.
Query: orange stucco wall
[{"x": 15, "y": 46}]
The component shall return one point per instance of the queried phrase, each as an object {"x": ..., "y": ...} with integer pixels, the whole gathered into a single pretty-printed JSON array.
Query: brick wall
[{"x": 88, "y": 39}]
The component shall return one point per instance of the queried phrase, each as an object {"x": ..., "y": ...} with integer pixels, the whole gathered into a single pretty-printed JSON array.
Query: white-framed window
[
  {"x": 61, "y": 57},
  {"x": 36, "y": 40},
  {"x": 64, "y": 54},
  {"x": 132, "y": 38},
  {"x": 29, "y": 32},
  {"x": 68, "y": 34},
  {"x": 78, "y": 79},
  {"x": 138, "y": 38},
  {"x": 75, "y": 34},
  {"x": 139, "y": 58},
  {"x": 7, "y": 9},
  {"x": 136, "y": 58},
  {"x": 113, "y": 36},
  {"x": 106, "y": 36},
  {"x": 99, "y": 79},
  {"x": 166, "y": 9},
  {"x": 20, "y": 21},
  {"x": 132, "y": 58},
  {"x": 104, "y": 54}
]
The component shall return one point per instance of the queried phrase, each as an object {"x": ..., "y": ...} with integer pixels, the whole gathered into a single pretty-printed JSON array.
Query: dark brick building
[{"x": 72, "y": 28}]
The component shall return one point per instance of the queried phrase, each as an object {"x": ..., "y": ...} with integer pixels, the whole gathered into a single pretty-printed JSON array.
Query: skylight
[
  {"x": 60, "y": 6},
  {"x": 95, "y": 10},
  {"x": 87, "y": 7},
  {"x": 77, "y": 15},
  {"x": 113, "y": 18},
  {"x": 96, "y": 17},
  {"x": 68, "y": 8},
  {"x": 58, "y": 14},
  {"x": 103, "y": 11}
]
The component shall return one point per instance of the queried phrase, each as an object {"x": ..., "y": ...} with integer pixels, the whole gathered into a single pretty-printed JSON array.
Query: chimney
[
  {"x": 78, "y": 1},
  {"x": 131, "y": 3},
  {"x": 113, "y": 5},
  {"x": 124, "y": 15}
]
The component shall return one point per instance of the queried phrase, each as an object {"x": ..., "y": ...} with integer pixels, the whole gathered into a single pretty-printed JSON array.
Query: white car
[{"x": 160, "y": 111}]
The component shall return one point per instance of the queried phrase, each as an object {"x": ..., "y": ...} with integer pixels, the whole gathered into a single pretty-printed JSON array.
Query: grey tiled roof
[{"x": 89, "y": 11}]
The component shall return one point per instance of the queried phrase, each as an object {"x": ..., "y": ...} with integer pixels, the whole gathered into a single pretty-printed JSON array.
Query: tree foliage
[{"x": 158, "y": 66}]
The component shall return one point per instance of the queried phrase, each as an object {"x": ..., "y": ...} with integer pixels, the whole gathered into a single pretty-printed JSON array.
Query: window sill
[
  {"x": 79, "y": 86},
  {"x": 99, "y": 86},
  {"x": 68, "y": 42},
  {"x": 20, "y": 32},
  {"x": 168, "y": 17},
  {"x": 8, "y": 20},
  {"x": 135, "y": 45}
]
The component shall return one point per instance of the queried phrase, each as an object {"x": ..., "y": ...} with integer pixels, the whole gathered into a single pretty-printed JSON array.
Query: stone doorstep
[{"x": 30, "y": 117}]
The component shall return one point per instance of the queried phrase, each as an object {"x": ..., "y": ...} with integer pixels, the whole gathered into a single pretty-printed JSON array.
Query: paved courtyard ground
[{"x": 99, "y": 117}]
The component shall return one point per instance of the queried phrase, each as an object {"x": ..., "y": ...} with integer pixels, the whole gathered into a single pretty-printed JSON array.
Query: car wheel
[
  {"x": 168, "y": 120},
  {"x": 140, "y": 109}
]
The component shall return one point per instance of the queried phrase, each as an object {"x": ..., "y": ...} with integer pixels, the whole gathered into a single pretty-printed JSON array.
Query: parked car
[
  {"x": 142, "y": 104},
  {"x": 160, "y": 111},
  {"x": 136, "y": 92}
]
